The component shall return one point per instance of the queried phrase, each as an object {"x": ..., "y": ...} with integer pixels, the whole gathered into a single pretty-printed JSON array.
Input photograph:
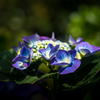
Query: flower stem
[
  {"x": 56, "y": 85},
  {"x": 23, "y": 72}
]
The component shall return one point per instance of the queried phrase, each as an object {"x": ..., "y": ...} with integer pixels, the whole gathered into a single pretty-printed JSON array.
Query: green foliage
[
  {"x": 10, "y": 74},
  {"x": 86, "y": 20},
  {"x": 88, "y": 72},
  {"x": 85, "y": 75}
]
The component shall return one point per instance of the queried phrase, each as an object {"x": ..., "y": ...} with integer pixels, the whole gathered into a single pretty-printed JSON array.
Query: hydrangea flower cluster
[{"x": 66, "y": 55}]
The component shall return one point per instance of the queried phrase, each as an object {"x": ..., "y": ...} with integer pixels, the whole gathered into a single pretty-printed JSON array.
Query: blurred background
[{"x": 26, "y": 17}]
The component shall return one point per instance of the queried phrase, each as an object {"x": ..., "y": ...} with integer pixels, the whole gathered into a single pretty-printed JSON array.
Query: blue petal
[
  {"x": 45, "y": 52},
  {"x": 25, "y": 52},
  {"x": 73, "y": 54},
  {"x": 32, "y": 38},
  {"x": 19, "y": 58},
  {"x": 53, "y": 36},
  {"x": 54, "y": 62},
  {"x": 71, "y": 40},
  {"x": 84, "y": 45},
  {"x": 17, "y": 49},
  {"x": 54, "y": 50},
  {"x": 19, "y": 65},
  {"x": 31, "y": 54},
  {"x": 78, "y": 40},
  {"x": 15, "y": 58},
  {"x": 63, "y": 56},
  {"x": 95, "y": 49},
  {"x": 20, "y": 44},
  {"x": 70, "y": 69},
  {"x": 49, "y": 47},
  {"x": 44, "y": 38},
  {"x": 26, "y": 64},
  {"x": 85, "y": 52},
  {"x": 86, "y": 49}
]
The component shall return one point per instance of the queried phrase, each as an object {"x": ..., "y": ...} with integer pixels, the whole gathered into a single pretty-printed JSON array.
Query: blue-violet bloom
[
  {"x": 71, "y": 40},
  {"x": 67, "y": 61},
  {"x": 31, "y": 39},
  {"x": 47, "y": 38},
  {"x": 49, "y": 52},
  {"x": 85, "y": 49},
  {"x": 23, "y": 60},
  {"x": 17, "y": 49}
]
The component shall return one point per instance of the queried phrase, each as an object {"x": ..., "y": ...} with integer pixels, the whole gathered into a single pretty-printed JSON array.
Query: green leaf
[
  {"x": 86, "y": 74},
  {"x": 11, "y": 74},
  {"x": 67, "y": 85},
  {"x": 7, "y": 72},
  {"x": 33, "y": 79},
  {"x": 28, "y": 79},
  {"x": 91, "y": 70}
]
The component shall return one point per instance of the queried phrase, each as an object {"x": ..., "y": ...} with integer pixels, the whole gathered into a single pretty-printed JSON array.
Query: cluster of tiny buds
[{"x": 36, "y": 45}]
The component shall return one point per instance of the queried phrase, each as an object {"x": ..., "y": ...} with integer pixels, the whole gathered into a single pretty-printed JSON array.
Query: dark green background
[{"x": 26, "y": 17}]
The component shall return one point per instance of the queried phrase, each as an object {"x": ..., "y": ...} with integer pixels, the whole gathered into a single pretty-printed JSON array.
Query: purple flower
[
  {"x": 17, "y": 49},
  {"x": 23, "y": 60},
  {"x": 47, "y": 38},
  {"x": 44, "y": 38},
  {"x": 31, "y": 39},
  {"x": 71, "y": 40},
  {"x": 53, "y": 37},
  {"x": 67, "y": 61},
  {"x": 20, "y": 65},
  {"x": 85, "y": 49},
  {"x": 49, "y": 52}
]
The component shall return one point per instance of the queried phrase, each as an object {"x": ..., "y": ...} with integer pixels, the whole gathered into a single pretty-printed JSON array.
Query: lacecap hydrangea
[{"x": 66, "y": 55}]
